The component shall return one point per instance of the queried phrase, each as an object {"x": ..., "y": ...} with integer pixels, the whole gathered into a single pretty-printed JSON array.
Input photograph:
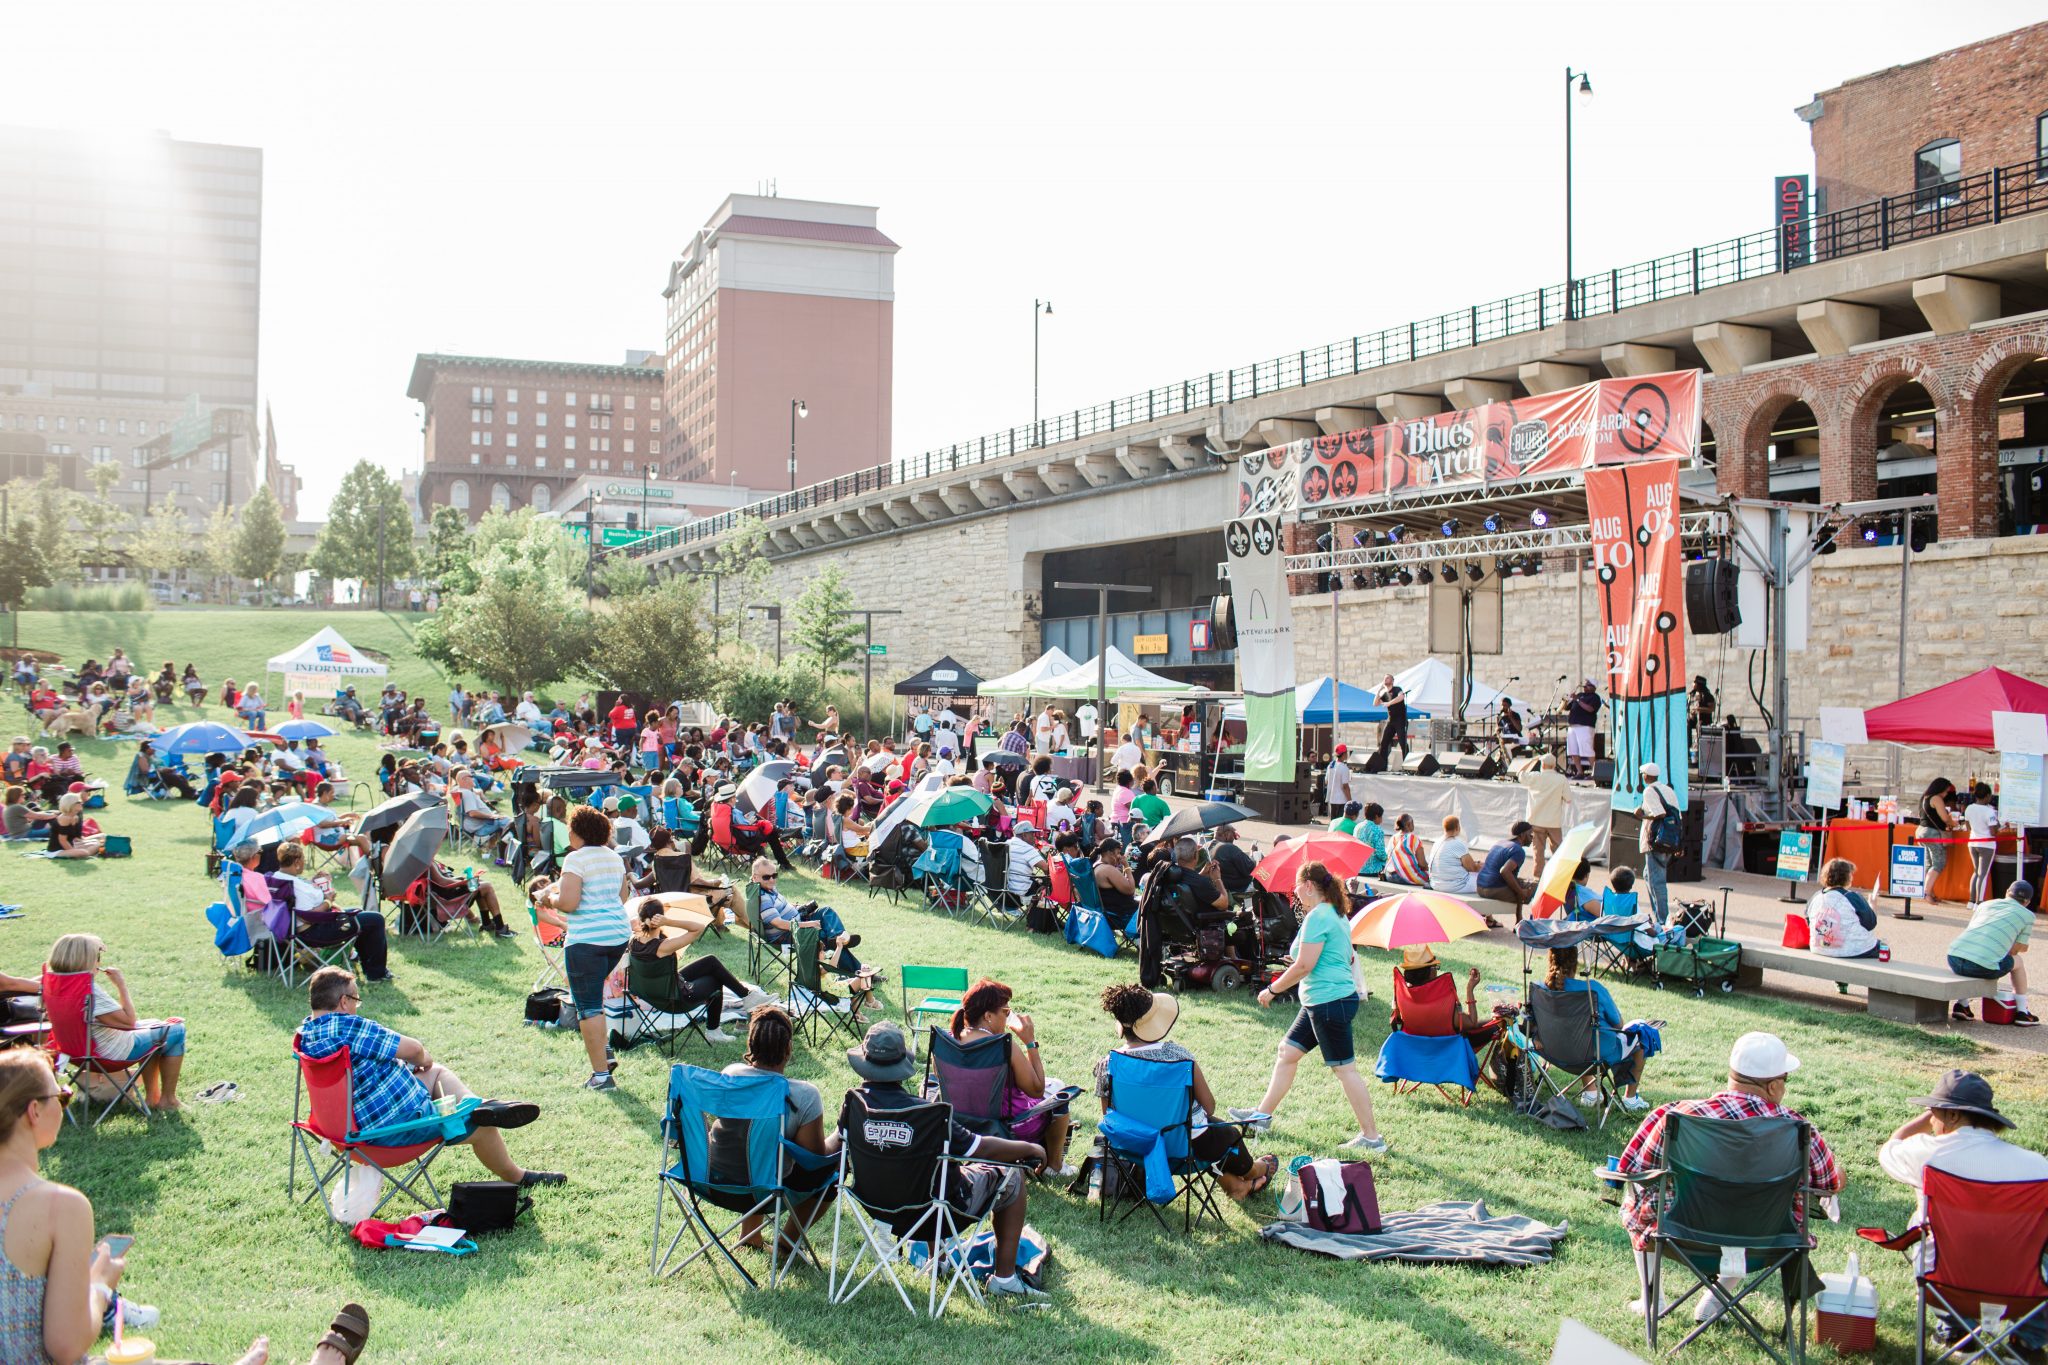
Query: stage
[{"x": 1489, "y": 808}]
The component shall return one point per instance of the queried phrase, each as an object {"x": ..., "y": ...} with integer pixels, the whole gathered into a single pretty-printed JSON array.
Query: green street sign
[
  {"x": 619, "y": 535},
  {"x": 878, "y": 649}
]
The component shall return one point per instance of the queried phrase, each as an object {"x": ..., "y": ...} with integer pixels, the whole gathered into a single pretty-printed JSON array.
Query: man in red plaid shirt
[{"x": 1758, "y": 1066}]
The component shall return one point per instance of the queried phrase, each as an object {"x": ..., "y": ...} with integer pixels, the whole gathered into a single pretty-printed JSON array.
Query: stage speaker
[
  {"x": 1423, "y": 764},
  {"x": 1624, "y": 846},
  {"x": 1710, "y": 602},
  {"x": 1222, "y": 622},
  {"x": 1481, "y": 766},
  {"x": 1603, "y": 772},
  {"x": 1525, "y": 764},
  {"x": 1376, "y": 762}
]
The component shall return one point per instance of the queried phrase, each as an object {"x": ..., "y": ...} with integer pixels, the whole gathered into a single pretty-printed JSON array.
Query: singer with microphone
[
  {"x": 1582, "y": 713},
  {"x": 1394, "y": 730}
]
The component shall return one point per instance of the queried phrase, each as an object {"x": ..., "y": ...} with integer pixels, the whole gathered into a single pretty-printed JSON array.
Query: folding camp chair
[
  {"x": 1428, "y": 1049},
  {"x": 974, "y": 1078},
  {"x": 266, "y": 953},
  {"x": 946, "y": 886},
  {"x": 67, "y": 1002},
  {"x": 323, "y": 1113},
  {"x": 1730, "y": 1189},
  {"x": 991, "y": 900},
  {"x": 895, "y": 1176},
  {"x": 1153, "y": 1101},
  {"x": 724, "y": 840},
  {"x": 1564, "y": 1036},
  {"x": 942, "y": 990},
  {"x": 814, "y": 1011},
  {"x": 326, "y": 938},
  {"x": 767, "y": 961},
  {"x": 1985, "y": 1241},
  {"x": 680, "y": 817},
  {"x": 657, "y": 1012},
  {"x": 548, "y": 938},
  {"x": 1088, "y": 896},
  {"x": 432, "y": 905},
  {"x": 1057, "y": 895},
  {"x": 722, "y": 1146}
]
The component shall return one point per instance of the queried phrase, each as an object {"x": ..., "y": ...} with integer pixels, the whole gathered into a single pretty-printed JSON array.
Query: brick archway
[
  {"x": 1848, "y": 465},
  {"x": 1744, "y": 435},
  {"x": 1966, "y": 469}
]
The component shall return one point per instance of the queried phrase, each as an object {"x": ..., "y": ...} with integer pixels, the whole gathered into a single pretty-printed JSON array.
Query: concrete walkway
[{"x": 1756, "y": 914}]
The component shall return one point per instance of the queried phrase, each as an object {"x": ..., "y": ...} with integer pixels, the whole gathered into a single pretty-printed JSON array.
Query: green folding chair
[{"x": 941, "y": 988}]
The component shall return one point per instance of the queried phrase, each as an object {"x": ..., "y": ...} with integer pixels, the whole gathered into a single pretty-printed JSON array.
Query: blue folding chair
[
  {"x": 938, "y": 870},
  {"x": 680, "y": 817},
  {"x": 722, "y": 1147},
  {"x": 1147, "y": 1140},
  {"x": 1088, "y": 896}
]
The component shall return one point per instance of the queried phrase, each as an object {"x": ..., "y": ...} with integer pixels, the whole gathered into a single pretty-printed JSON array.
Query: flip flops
[
  {"x": 1268, "y": 1166},
  {"x": 221, "y": 1092},
  {"x": 349, "y": 1332}
]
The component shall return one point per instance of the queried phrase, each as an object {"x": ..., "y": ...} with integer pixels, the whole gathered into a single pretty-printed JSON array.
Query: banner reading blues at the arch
[
  {"x": 1265, "y": 647},
  {"x": 1639, "y": 575}
]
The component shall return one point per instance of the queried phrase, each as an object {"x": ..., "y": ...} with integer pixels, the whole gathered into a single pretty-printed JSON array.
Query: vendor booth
[
  {"x": 1027, "y": 681},
  {"x": 946, "y": 678},
  {"x": 324, "y": 665}
]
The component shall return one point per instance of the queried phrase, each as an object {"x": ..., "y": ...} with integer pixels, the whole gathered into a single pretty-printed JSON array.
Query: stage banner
[
  {"x": 1265, "y": 647},
  {"x": 1640, "y": 577},
  {"x": 1610, "y": 421}
]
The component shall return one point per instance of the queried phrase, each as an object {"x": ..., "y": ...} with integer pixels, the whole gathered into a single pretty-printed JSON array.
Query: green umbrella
[{"x": 948, "y": 806}]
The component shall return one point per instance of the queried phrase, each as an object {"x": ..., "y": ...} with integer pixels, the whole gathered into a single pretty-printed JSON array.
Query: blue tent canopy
[{"x": 1324, "y": 700}]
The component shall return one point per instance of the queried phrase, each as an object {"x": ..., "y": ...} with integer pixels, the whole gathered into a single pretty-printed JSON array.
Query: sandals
[
  {"x": 349, "y": 1331},
  {"x": 1268, "y": 1166}
]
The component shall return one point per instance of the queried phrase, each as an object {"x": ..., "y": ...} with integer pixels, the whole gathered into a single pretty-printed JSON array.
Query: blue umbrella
[
  {"x": 201, "y": 737},
  {"x": 287, "y": 820},
  {"x": 304, "y": 729}
]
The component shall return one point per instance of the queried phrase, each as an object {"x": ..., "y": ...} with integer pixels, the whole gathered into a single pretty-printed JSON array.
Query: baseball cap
[
  {"x": 1024, "y": 827},
  {"x": 1761, "y": 1056},
  {"x": 1651, "y": 771},
  {"x": 1343, "y": 749}
]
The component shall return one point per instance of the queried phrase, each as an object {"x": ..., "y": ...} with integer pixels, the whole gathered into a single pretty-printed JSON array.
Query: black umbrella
[
  {"x": 1206, "y": 815},
  {"x": 828, "y": 759},
  {"x": 1004, "y": 758},
  {"x": 393, "y": 813},
  {"x": 413, "y": 848}
]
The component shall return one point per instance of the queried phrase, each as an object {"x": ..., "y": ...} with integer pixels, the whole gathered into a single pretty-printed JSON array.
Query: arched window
[
  {"x": 501, "y": 497},
  {"x": 543, "y": 497},
  {"x": 458, "y": 495},
  {"x": 1936, "y": 169}
]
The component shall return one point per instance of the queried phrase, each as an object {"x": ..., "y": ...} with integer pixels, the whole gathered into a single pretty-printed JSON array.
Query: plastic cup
[
  {"x": 446, "y": 1105},
  {"x": 131, "y": 1350}
]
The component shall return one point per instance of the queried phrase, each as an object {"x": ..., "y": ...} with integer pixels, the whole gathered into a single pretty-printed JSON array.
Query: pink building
[{"x": 776, "y": 302}]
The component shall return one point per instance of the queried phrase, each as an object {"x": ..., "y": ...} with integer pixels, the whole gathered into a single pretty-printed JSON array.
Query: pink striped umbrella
[{"x": 1414, "y": 917}]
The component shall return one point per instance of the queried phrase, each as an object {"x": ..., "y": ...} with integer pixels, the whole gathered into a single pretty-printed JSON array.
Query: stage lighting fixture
[
  {"x": 1325, "y": 542},
  {"x": 1922, "y": 533},
  {"x": 1493, "y": 521},
  {"x": 1870, "y": 533},
  {"x": 1359, "y": 580},
  {"x": 1361, "y": 537},
  {"x": 1428, "y": 575},
  {"x": 1393, "y": 535},
  {"x": 1407, "y": 577},
  {"x": 1505, "y": 565},
  {"x": 1474, "y": 572},
  {"x": 1450, "y": 528},
  {"x": 1539, "y": 518}
]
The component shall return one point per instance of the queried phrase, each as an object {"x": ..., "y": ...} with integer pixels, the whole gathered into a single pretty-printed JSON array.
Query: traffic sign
[{"x": 878, "y": 649}]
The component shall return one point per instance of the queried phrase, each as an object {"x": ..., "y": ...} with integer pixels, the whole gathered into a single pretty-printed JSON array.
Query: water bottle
[{"x": 469, "y": 876}]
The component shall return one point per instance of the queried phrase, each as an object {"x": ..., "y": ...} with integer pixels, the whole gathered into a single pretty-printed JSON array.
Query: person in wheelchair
[{"x": 1183, "y": 904}]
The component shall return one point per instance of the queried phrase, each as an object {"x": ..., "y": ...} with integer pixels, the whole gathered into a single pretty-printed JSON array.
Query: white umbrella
[{"x": 757, "y": 790}]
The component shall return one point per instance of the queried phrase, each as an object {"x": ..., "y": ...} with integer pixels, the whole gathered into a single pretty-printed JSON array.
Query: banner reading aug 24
[
  {"x": 1265, "y": 646},
  {"x": 1639, "y": 576}
]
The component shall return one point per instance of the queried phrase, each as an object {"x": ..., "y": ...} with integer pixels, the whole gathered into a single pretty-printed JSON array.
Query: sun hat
[
  {"x": 1155, "y": 1023},
  {"x": 1417, "y": 955},
  {"x": 1761, "y": 1057},
  {"x": 1966, "y": 1092},
  {"x": 883, "y": 1055}
]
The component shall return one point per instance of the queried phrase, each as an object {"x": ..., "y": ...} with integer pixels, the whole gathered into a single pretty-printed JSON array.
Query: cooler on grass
[{"x": 1845, "y": 1311}]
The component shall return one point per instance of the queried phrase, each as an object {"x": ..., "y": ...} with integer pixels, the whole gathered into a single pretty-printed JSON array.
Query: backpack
[
  {"x": 550, "y": 1007},
  {"x": 1667, "y": 831}
]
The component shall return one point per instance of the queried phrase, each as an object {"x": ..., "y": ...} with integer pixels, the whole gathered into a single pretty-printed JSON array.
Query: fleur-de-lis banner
[{"x": 1265, "y": 646}]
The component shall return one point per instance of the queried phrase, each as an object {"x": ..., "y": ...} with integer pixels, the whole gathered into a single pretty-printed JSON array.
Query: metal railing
[{"x": 1966, "y": 202}]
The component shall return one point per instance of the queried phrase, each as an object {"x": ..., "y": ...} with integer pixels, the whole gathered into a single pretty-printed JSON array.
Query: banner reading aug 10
[{"x": 1639, "y": 575}]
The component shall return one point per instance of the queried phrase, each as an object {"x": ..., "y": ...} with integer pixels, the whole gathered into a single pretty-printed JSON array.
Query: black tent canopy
[{"x": 946, "y": 678}]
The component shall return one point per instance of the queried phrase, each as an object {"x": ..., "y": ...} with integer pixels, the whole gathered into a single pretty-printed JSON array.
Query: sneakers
[
  {"x": 1252, "y": 1119},
  {"x": 139, "y": 1315},
  {"x": 1589, "y": 1098},
  {"x": 600, "y": 1080},
  {"x": 718, "y": 1035},
  {"x": 1012, "y": 1289},
  {"x": 1634, "y": 1104},
  {"x": 2025, "y": 1020},
  {"x": 1371, "y": 1146},
  {"x": 1961, "y": 1012}
]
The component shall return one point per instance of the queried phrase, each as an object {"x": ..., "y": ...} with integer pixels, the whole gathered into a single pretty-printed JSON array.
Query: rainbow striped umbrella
[{"x": 1414, "y": 917}]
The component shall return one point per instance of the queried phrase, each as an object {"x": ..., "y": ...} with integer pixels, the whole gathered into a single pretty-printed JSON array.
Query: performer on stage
[
  {"x": 1582, "y": 713},
  {"x": 1394, "y": 730},
  {"x": 1510, "y": 723}
]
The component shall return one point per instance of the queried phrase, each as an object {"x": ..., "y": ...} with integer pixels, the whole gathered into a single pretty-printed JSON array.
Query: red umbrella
[{"x": 1341, "y": 853}]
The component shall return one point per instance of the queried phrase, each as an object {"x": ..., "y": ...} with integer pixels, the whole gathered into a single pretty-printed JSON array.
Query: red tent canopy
[{"x": 1955, "y": 715}]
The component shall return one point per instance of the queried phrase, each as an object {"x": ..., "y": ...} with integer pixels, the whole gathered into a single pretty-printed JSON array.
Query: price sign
[
  {"x": 1795, "y": 854},
  {"x": 1909, "y": 871}
]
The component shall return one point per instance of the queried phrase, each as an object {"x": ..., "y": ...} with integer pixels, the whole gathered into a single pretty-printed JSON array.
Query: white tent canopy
[
  {"x": 1122, "y": 676},
  {"x": 1026, "y": 681},
  {"x": 322, "y": 663},
  {"x": 1432, "y": 684}
]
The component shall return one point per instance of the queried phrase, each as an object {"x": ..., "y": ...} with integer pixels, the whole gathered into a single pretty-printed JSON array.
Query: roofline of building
[
  {"x": 426, "y": 363},
  {"x": 1923, "y": 61}
]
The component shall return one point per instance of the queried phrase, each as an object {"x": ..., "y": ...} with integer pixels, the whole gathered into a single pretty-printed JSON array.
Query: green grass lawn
[{"x": 224, "y": 1255}]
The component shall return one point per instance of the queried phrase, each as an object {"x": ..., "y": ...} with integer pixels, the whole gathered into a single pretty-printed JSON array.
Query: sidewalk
[{"x": 1757, "y": 915}]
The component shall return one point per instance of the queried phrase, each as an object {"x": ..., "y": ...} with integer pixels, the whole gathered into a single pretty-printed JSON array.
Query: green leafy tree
[
  {"x": 622, "y": 578},
  {"x": 102, "y": 522},
  {"x": 21, "y": 565},
  {"x": 448, "y": 550},
  {"x": 740, "y": 563},
  {"x": 822, "y": 635},
  {"x": 259, "y": 538},
  {"x": 348, "y": 545},
  {"x": 749, "y": 690},
  {"x": 655, "y": 642},
  {"x": 162, "y": 541},
  {"x": 217, "y": 551},
  {"x": 44, "y": 508},
  {"x": 525, "y": 625}
]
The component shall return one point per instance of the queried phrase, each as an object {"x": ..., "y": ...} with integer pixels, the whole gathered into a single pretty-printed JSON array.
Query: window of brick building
[
  {"x": 2041, "y": 148},
  {"x": 1936, "y": 169}
]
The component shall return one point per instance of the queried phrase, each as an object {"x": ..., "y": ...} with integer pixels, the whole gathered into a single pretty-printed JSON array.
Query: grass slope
[{"x": 220, "y": 1250}]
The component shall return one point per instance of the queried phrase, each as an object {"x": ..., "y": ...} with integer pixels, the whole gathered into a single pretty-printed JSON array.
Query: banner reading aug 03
[{"x": 1639, "y": 574}]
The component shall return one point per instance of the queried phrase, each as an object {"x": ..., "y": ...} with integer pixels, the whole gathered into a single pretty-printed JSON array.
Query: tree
[
  {"x": 827, "y": 638},
  {"x": 162, "y": 540},
  {"x": 448, "y": 550},
  {"x": 349, "y": 544},
  {"x": 259, "y": 539},
  {"x": 740, "y": 566},
  {"x": 44, "y": 509},
  {"x": 21, "y": 565},
  {"x": 217, "y": 550},
  {"x": 525, "y": 625},
  {"x": 101, "y": 520},
  {"x": 621, "y": 577},
  {"x": 653, "y": 642}
]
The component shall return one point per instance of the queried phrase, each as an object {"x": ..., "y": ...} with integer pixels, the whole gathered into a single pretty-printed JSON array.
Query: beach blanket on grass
[{"x": 1451, "y": 1231}]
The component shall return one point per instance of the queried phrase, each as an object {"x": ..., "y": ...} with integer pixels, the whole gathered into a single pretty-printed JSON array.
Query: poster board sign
[
  {"x": 1265, "y": 646},
  {"x": 1795, "y": 855},
  {"x": 1824, "y": 767},
  {"x": 1908, "y": 873},
  {"x": 2019, "y": 789}
]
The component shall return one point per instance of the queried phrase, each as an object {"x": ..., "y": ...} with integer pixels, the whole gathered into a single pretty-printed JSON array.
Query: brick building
[
  {"x": 1923, "y": 125},
  {"x": 515, "y": 433}
]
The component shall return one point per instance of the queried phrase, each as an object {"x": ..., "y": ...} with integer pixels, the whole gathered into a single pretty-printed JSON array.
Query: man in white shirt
[
  {"x": 946, "y": 737},
  {"x": 478, "y": 818},
  {"x": 629, "y": 836},
  {"x": 1548, "y": 791},
  {"x": 1041, "y": 731},
  {"x": 1957, "y": 1132},
  {"x": 1128, "y": 756},
  {"x": 528, "y": 711},
  {"x": 1657, "y": 799},
  {"x": 1024, "y": 857},
  {"x": 1337, "y": 782}
]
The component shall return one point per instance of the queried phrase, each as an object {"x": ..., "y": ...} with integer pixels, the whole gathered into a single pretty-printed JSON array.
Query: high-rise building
[
  {"x": 514, "y": 433},
  {"x": 130, "y": 274},
  {"x": 775, "y": 303}
]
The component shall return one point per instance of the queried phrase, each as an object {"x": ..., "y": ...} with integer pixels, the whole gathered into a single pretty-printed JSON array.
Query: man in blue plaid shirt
[{"x": 393, "y": 1079}]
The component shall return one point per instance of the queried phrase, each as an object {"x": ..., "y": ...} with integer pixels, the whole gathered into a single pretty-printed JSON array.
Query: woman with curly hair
[
  {"x": 985, "y": 1013},
  {"x": 1144, "y": 1018},
  {"x": 1325, "y": 968}
]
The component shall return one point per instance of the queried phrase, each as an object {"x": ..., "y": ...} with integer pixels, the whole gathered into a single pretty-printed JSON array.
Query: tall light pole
[
  {"x": 773, "y": 611},
  {"x": 797, "y": 408},
  {"x": 867, "y": 665},
  {"x": 1585, "y": 88},
  {"x": 1102, "y": 592},
  {"x": 643, "y": 500},
  {"x": 1038, "y": 307},
  {"x": 589, "y": 545}
]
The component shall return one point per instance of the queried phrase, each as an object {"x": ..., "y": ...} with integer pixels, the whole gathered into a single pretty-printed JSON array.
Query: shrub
[
  {"x": 91, "y": 597},
  {"x": 749, "y": 690}
]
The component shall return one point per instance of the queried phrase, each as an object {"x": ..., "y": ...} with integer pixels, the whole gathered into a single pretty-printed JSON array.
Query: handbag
[
  {"x": 1338, "y": 1196},
  {"x": 547, "y": 1006},
  {"x": 485, "y": 1205},
  {"x": 117, "y": 846}
]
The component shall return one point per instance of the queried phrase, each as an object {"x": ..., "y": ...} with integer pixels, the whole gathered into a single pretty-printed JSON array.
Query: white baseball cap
[
  {"x": 1761, "y": 1056},
  {"x": 1651, "y": 771}
]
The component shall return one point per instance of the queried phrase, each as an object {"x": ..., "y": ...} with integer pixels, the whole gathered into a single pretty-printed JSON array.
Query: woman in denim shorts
[
  {"x": 1323, "y": 968},
  {"x": 590, "y": 900}
]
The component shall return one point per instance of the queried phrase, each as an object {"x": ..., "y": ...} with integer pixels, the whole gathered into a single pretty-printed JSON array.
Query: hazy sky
[{"x": 1194, "y": 186}]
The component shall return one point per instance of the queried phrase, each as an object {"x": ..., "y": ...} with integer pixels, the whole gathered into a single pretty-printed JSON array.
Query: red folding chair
[
  {"x": 323, "y": 1112},
  {"x": 67, "y": 1001},
  {"x": 724, "y": 840},
  {"x": 1988, "y": 1240},
  {"x": 1430, "y": 1012}
]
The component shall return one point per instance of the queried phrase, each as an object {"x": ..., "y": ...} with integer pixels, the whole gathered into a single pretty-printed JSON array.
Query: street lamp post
[
  {"x": 644, "y": 528},
  {"x": 1038, "y": 306},
  {"x": 1585, "y": 88},
  {"x": 773, "y": 611},
  {"x": 589, "y": 546},
  {"x": 1102, "y": 592},
  {"x": 797, "y": 408},
  {"x": 867, "y": 665}
]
